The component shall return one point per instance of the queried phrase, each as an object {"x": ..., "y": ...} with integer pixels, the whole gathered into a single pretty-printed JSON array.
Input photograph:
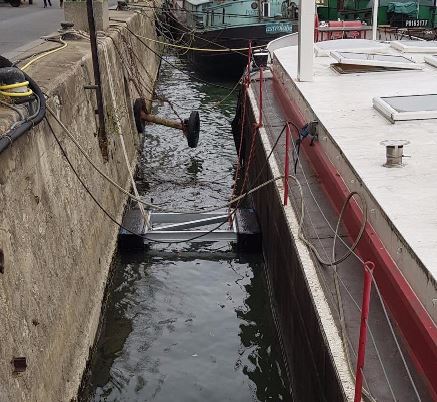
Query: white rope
[{"x": 146, "y": 216}]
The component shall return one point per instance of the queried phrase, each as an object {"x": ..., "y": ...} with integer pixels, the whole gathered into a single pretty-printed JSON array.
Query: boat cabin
[
  {"x": 207, "y": 14},
  {"x": 415, "y": 15}
]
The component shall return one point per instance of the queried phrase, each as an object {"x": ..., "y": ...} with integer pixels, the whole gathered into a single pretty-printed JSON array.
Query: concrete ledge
[{"x": 57, "y": 244}]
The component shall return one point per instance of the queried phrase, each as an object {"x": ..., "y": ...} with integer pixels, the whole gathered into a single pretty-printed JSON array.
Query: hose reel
[{"x": 190, "y": 127}]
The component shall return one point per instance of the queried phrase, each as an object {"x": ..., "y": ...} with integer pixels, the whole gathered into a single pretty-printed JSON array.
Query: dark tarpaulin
[{"x": 409, "y": 8}]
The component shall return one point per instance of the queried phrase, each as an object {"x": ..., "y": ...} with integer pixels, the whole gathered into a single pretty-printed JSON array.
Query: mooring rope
[{"x": 200, "y": 49}]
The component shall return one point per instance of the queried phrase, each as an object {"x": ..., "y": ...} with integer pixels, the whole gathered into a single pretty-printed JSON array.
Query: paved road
[{"x": 24, "y": 24}]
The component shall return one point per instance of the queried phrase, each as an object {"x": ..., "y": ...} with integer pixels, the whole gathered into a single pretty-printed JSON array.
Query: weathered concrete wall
[
  {"x": 76, "y": 12},
  {"x": 57, "y": 244}
]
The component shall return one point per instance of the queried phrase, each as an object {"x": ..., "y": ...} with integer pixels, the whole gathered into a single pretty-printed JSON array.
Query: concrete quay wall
[{"x": 57, "y": 244}]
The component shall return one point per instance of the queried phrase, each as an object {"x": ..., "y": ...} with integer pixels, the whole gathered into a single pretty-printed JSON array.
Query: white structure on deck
[{"x": 402, "y": 201}]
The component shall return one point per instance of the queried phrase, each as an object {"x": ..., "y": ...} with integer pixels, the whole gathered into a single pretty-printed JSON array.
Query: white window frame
[
  {"x": 407, "y": 47},
  {"x": 358, "y": 46},
  {"x": 431, "y": 60},
  {"x": 268, "y": 8},
  {"x": 393, "y": 115},
  {"x": 411, "y": 65}
]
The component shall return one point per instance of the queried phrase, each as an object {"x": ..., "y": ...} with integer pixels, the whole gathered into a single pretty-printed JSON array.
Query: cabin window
[
  {"x": 266, "y": 9},
  {"x": 409, "y": 107},
  {"x": 357, "y": 45},
  {"x": 357, "y": 69},
  {"x": 223, "y": 16},
  {"x": 431, "y": 60},
  {"x": 376, "y": 60},
  {"x": 415, "y": 46}
]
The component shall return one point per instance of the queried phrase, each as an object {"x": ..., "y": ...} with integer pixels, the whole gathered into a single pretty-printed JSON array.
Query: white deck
[{"x": 343, "y": 104}]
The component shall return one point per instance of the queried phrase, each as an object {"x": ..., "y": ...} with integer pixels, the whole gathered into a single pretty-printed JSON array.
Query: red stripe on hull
[{"x": 415, "y": 323}]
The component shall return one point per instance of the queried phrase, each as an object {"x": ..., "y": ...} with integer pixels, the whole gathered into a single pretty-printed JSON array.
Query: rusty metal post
[
  {"x": 367, "y": 287},
  {"x": 97, "y": 78},
  {"x": 286, "y": 167},
  {"x": 260, "y": 120},
  {"x": 249, "y": 59},
  {"x": 151, "y": 118}
]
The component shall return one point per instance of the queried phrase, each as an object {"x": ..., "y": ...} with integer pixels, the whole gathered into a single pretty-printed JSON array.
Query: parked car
[{"x": 13, "y": 3}]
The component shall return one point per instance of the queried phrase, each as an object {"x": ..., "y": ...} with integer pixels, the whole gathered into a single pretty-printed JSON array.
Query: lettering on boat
[{"x": 274, "y": 28}]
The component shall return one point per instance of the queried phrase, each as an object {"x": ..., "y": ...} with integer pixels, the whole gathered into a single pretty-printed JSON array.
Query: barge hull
[
  {"x": 304, "y": 320},
  {"x": 223, "y": 64},
  {"x": 308, "y": 320}
]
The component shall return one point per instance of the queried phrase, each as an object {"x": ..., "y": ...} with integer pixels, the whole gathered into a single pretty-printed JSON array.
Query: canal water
[{"x": 188, "y": 322}]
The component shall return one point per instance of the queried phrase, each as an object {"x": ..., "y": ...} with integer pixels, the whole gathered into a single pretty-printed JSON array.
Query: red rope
[
  {"x": 242, "y": 121},
  {"x": 286, "y": 164},
  {"x": 246, "y": 82},
  {"x": 255, "y": 129},
  {"x": 256, "y": 126}
]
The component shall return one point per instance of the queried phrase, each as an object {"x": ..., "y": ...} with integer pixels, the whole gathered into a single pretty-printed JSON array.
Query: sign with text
[
  {"x": 278, "y": 28},
  {"x": 416, "y": 23}
]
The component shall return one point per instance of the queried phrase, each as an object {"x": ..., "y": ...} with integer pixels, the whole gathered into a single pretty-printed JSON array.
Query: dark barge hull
[{"x": 224, "y": 64}]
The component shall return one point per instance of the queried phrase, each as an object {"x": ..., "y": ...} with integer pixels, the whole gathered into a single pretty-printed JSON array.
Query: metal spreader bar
[
  {"x": 191, "y": 235},
  {"x": 202, "y": 221},
  {"x": 192, "y": 227}
]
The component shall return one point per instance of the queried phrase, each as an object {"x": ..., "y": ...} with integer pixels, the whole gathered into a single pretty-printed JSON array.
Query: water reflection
[
  {"x": 188, "y": 329},
  {"x": 258, "y": 337},
  {"x": 194, "y": 166}
]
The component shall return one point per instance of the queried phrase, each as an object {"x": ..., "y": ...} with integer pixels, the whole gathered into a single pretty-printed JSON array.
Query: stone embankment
[{"x": 56, "y": 243}]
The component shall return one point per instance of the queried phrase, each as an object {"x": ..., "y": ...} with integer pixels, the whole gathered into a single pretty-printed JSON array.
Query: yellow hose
[
  {"x": 16, "y": 85},
  {"x": 4, "y": 89},
  {"x": 17, "y": 94},
  {"x": 27, "y": 65}
]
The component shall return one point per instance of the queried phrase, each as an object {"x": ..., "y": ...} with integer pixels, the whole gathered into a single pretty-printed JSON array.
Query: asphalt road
[
  {"x": 19, "y": 26},
  {"x": 22, "y": 25}
]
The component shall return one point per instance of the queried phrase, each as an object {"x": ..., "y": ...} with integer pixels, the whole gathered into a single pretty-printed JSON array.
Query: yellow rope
[
  {"x": 198, "y": 49},
  {"x": 27, "y": 65},
  {"x": 228, "y": 95}
]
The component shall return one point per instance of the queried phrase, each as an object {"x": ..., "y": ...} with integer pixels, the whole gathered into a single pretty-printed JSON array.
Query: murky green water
[{"x": 188, "y": 322}]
